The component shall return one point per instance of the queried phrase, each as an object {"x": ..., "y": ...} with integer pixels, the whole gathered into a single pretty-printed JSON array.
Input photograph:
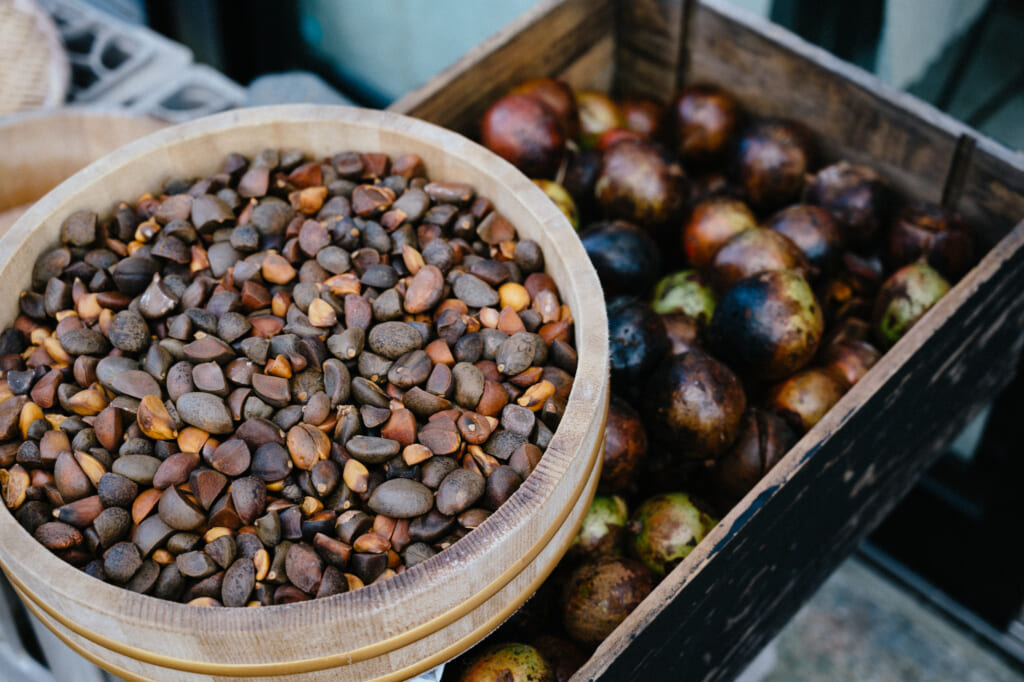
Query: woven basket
[{"x": 34, "y": 68}]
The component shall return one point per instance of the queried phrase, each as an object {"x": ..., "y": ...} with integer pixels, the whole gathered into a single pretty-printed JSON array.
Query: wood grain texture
[
  {"x": 545, "y": 41},
  {"x": 649, "y": 50},
  {"x": 42, "y": 149},
  {"x": 437, "y": 608}
]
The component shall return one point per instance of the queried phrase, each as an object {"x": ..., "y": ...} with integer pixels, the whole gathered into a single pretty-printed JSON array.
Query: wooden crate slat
[
  {"x": 649, "y": 53},
  {"x": 707, "y": 619},
  {"x": 544, "y": 41}
]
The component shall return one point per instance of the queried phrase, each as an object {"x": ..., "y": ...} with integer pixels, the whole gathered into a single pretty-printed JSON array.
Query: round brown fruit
[
  {"x": 600, "y": 594},
  {"x": 763, "y": 440},
  {"x": 773, "y": 158},
  {"x": 512, "y": 662},
  {"x": 855, "y": 195},
  {"x": 804, "y": 398},
  {"x": 702, "y": 122},
  {"x": 814, "y": 232},
  {"x": 558, "y": 96},
  {"x": 942, "y": 237},
  {"x": 712, "y": 223},
  {"x": 562, "y": 653},
  {"x": 683, "y": 332},
  {"x": 752, "y": 252},
  {"x": 664, "y": 529},
  {"x": 625, "y": 446},
  {"x": 694, "y": 402},
  {"x": 767, "y": 326},
  {"x": 525, "y": 132},
  {"x": 639, "y": 184}
]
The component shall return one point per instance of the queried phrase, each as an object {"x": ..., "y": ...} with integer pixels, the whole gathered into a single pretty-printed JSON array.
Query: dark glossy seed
[
  {"x": 502, "y": 482},
  {"x": 368, "y": 393},
  {"x": 393, "y": 339},
  {"x": 249, "y": 495},
  {"x": 175, "y": 470},
  {"x": 208, "y": 349},
  {"x": 209, "y": 378},
  {"x": 195, "y": 564},
  {"x": 516, "y": 353},
  {"x": 401, "y": 498},
  {"x": 79, "y": 229},
  {"x": 271, "y": 389},
  {"x": 417, "y": 553},
  {"x": 133, "y": 275},
  {"x": 347, "y": 345},
  {"x": 222, "y": 550},
  {"x": 233, "y": 326},
  {"x": 150, "y": 534},
  {"x": 517, "y": 419},
  {"x": 459, "y": 490},
  {"x": 430, "y": 527},
  {"x": 145, "y": 578},
  {"x": 502, "y": 444},
  {"x": 207, "y": 486},
  {"x": 231, "y": 457},
  {"x": 424, "y": 404},
  {"x": 179, "y": 380},
  {"x": 157, "y": 300},
  {"x": 469, "y": 384},
  {"x": 372, "y": 449},
  {"x": 271, "y": 462}
]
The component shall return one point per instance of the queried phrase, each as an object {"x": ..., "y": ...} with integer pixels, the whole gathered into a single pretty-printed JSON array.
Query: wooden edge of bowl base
[{"x": 382, "y": 618}]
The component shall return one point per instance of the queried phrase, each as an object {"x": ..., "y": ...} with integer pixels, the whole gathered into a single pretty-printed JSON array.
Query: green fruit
[
  {"x": 603, "y": 528},
  {"x": 665, "y": 529},
  {"x": 684, "y": 292},
  {"x": 563, "y": 200},
  {"x": 510, "y": 662},
  {"x": 904, "y": 299}
]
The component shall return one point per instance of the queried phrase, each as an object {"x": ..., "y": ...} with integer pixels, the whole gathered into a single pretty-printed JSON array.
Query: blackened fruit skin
[
  {"x": 763, "y": 440},
  {"x": 524, "y": 131},
  {"x": 639, "y": 183},
  {"x": 600, "y": 594},
  {"x": 702, "y": 123},
  {"x": 693, "y": 404},
  {"x": 637, "y": 342},
  {"x": 943, "y": 238},
  {"x": 814, "y": 232},
  {"x": 625, "y": 446},
  {"x": 581, "y": 174},
  {"x": 856, "y": 196},
  {"x": 767, "y": 326},
  {"x": 626, "y": 258},
  {"x": 773, "y": 158}
]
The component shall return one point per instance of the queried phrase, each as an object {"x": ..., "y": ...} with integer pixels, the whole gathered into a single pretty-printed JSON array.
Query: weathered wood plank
[
  {"x": 649, "y": 52},
  {"x": 710, "y": 616},
  {"x": 544, "y": 42}
]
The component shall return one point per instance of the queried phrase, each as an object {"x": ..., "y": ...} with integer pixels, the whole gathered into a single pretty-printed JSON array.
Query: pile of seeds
[{"x": 280, "y": 382}]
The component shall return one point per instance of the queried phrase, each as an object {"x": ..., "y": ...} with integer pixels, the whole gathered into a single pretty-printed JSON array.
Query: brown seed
[
  {"x": 231, "y": 457},
  {"x": 277, "y": 270},
  {"x": 196, "y": 564},
  {"x": 401, "y": 498},
  {"x": 207, "y": 485},
  {"x": 150, "y": 534},
  {"x": 92, "y": 467},
  {"x": 441, "y": 440},
  {"x": 459, "y": 490},
  {"x": 239, "y": 580},
  {"x": 175, "y": 470},
  {"x": 56, "y": 535},
  {"x": 321, "y": 314},
  {"x": 475, "y": 428},
  {"x": 80, "y": 513},
  {"x": 415, "y": 453},
  {"x": 139, "y": 468},
  {"x": 355, "y": 475},
  {"x": 371, "y": 543},
  {"x": 307, "y": 445},
  {"x": 71, "y": 481},
  {"x": 535, "y": 396},
  {"x": 400, "y": 427},
  {"x": 145, "y": 503},
  {"x": 303, "y": 567},
  {"x": 493, "y": 400},
  {"x": 272, "y": 389},
  {"x": 112, "y": 525},
  {"x": 372, "y": 449},
  {"x": 249, "y": 495},
  {"x": 425, "y": 290},
  {"x": 108, "y": 428},
  {"x": 439, "y": 352},
  {"x": 279, "y": 367},
  {"x": 525, "y": 459},
  {"x": 86, "y": 403},
  {"x": 154, "y": 419},
  {"x": 135, "y": 383},
  {"x": 179, "y": 512},
  {"x": 369, "y": 200}
]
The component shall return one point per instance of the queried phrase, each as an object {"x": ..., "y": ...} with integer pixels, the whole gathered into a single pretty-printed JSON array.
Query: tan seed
[
  {"x": 163, "y": 557},
  {"x": 416, "y": 453},
  {"x": 204, "y": 601},
  {"x": 216, "y": 532},
  {"x": 144, "y": 504},
  {"x": 371, "y": 543},
  {"x": 306, "y": 445},
  {"x": 279, "y": 367},
  {"x": 354, "y": 582},
  {"x": 355, "y": 475},
  {"x": 535, "y": 396},
  {"x": 154, "y": 419},
  {"x": 30, "y": 412},
  {"x": 86, "y": 403},
  {"x": 412, "y": 258},
  {"x": 321, "y": 314},
  {"x": 514, "y": 295},
  {"x": 192, "y": 439},
  {"x": 277, "y": 270},
  {"x": 15, "y": 482},
  {"x": 344, "y": 284},
  {"x": 91, "y": 466}
]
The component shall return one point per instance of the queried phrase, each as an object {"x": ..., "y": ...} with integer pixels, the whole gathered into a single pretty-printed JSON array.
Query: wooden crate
[{"x": 736, "y": 590}]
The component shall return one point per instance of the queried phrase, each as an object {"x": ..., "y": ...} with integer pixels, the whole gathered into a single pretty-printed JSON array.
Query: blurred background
[{"x": 937, "y": 592}]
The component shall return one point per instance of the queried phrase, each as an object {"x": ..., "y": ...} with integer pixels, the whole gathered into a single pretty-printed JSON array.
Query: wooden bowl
[
  {"x": 44, "y": 148},
  {"x": 389, "y": 630}
]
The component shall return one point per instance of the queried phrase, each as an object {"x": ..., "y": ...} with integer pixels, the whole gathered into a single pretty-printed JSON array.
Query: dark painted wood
[
  {"x": 711, "y": 616},
  {"x": 649, "y": 56}
]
